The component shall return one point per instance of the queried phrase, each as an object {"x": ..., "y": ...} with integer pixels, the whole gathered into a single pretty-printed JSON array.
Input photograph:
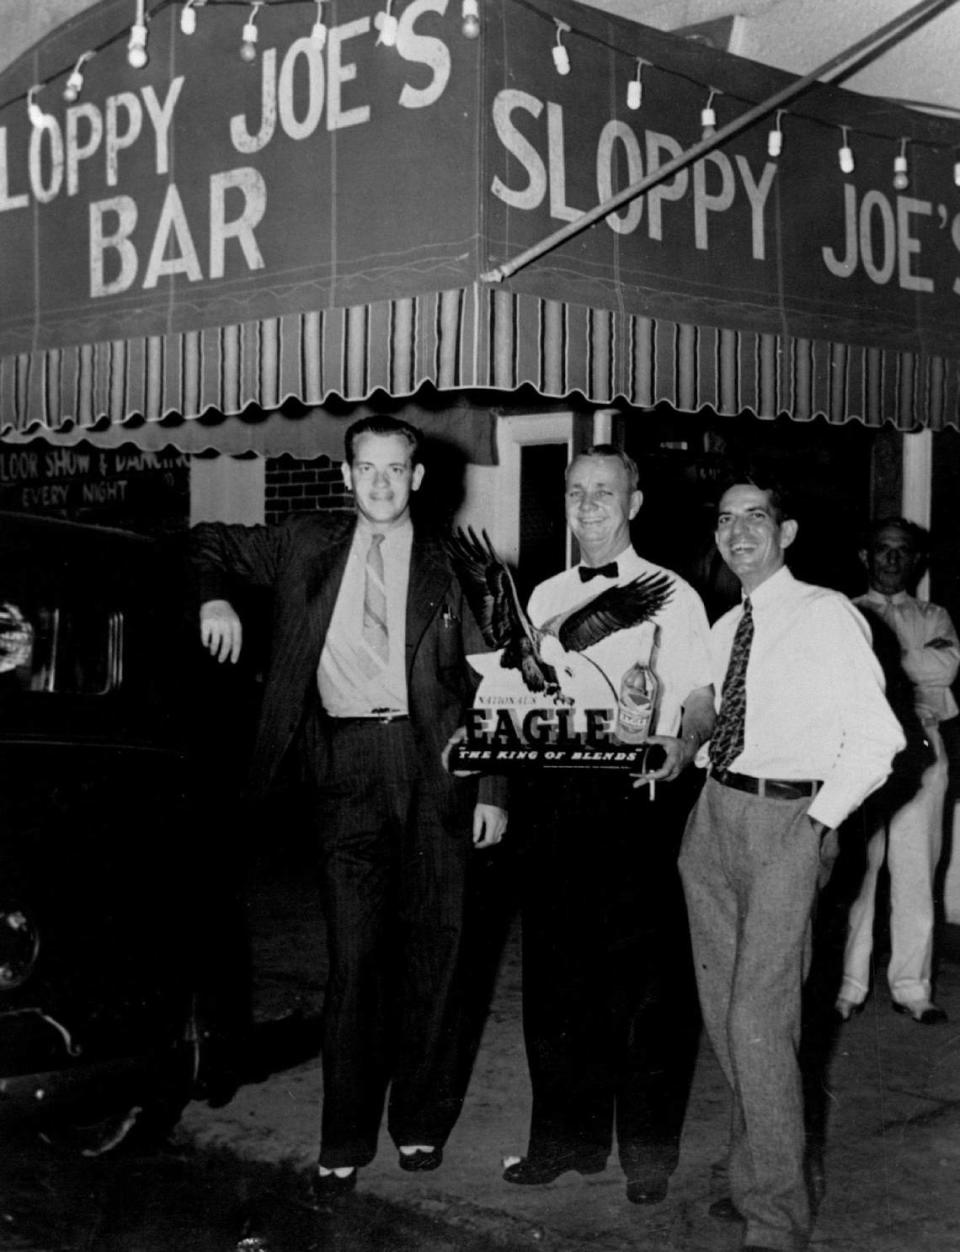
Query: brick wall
[{"x": 294, "y": 486}]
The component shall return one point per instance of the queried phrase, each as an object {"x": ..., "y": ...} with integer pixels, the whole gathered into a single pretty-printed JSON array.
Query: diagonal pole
[{"x": 895, "y": 30}]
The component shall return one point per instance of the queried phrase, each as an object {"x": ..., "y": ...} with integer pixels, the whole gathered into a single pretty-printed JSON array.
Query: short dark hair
[
  {"x": 764, "y": 479},
  {"x": 618, "y": 454},
  {"x": 917, "y": 535},
  {"x": 383, "y": 424}
]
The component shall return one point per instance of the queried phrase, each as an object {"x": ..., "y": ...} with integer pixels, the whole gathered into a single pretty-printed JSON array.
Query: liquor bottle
[{"x": 639, "y": 689}]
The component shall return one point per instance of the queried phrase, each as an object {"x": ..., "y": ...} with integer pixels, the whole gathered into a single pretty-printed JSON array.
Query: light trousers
[
  {"x": 910, "y": 839},
  {"x": 749, "y": 868}
]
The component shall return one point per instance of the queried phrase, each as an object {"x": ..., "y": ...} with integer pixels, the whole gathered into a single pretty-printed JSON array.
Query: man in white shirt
[
  {"x": 609, "y": 1001},
  {"x": 910, "y": 834},
  {"x": 803, "y": 735}
]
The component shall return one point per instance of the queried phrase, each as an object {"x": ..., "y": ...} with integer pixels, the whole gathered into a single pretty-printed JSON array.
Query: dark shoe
[
  {"x": 419, "y": 1162},
  {"x": 816, "y": 1179},
  {"x": 647, "y": 1190},
  {"x": 924, "y": 1014},
  {"x": 329, "y": 1188},
  {"x": 724, "y": 1210},
  {"x": 535, "y": 1171}
]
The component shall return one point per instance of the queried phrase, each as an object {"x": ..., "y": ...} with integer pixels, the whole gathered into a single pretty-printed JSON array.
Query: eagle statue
[{"x": 536, "y": 651}]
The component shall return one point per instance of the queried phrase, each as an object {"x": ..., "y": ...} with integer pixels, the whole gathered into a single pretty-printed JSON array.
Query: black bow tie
[{"x": 598, "y": 571}]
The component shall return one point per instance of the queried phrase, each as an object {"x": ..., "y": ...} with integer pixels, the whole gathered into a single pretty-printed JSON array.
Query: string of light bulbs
[
  {"x": 708, "y": 119},
  {"x": 386, "y": 23}
]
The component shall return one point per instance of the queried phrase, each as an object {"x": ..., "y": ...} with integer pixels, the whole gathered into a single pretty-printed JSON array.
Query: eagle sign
[{"x": 547, "y": 655}]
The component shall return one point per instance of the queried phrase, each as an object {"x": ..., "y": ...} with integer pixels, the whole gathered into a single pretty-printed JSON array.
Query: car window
[{"x": 70, "y": 649}]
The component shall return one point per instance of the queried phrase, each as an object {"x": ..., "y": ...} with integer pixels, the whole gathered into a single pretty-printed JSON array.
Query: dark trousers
[
  {"x": 610, "y": 1012},
  {"x": 393, "y": 895}
]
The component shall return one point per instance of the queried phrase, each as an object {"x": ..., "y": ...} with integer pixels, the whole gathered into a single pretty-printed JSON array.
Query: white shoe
[{"x": 845, "y": 1009}]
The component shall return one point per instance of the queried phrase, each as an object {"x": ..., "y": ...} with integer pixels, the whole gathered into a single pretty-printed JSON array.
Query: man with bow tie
[
  {"x": 609, "y": 1004},
  {"x": 908, "y": 835}
]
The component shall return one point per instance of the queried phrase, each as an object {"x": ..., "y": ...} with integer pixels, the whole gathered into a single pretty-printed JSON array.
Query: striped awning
[
  {"x": 238, "y": 285},
  {"x": 178, "y": 388}
]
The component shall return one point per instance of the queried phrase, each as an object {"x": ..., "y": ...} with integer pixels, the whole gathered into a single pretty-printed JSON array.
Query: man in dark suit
[{"x": 367, "y": 681}]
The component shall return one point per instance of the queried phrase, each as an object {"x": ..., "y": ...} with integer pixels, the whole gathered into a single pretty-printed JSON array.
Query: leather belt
[
  {"x": 768, "y": 788},
  {"x": 373, "y": 719}
]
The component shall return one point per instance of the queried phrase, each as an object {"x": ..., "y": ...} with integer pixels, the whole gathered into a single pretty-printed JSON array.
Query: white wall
[{"x": 493, "y": 492}]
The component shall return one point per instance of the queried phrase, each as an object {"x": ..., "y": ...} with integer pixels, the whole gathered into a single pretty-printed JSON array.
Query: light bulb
[
  {"x": 38, "y": 119},
  {"x": 845, "y": 157},
  {"x": 901, "y": 180},
  {"x": 318, "y": 35},
  {"x": 387, "y": 25},
  {"x": 561, "y": 59},
  {"x": 708, "y": 120},
  {"x": 73, "y": 86},
  {"x": 774, "y": 143},
  {"x": 137, "y": 46},
  {"x": 956, "y": 173},
  {"x": 470, "y": 15},
  {"x": 188, "y": 19},
  {"x": 634, "y": 93},
  {"x": 250, "y": 35}
]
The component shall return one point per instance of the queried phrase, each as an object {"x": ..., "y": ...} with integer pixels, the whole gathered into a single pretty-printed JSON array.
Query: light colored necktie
[
  {"x": 726, "y": 743},
  {"x": 375, "y": 635}
]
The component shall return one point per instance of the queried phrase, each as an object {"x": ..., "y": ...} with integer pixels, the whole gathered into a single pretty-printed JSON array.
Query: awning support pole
[{"x": 899, "y": 27}]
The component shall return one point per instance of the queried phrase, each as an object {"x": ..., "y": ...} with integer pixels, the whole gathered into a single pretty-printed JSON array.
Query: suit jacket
[{"x": 302, "y": 560}]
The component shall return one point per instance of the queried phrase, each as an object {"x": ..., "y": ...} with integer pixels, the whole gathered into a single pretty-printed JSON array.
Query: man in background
[
  {"x": 803, "y": 734},
  {"x": 609, "y": 1002},
  {"x": 908, "y": 834}
]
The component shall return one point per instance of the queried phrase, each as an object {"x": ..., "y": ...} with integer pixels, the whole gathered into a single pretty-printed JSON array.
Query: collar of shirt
[
  {"x": 898, "y": 600},
  {"x": 770, "y": 589},
  {"x": 629, "y": 565},
  {"x": 395, "y": 538},
  {"x": 617, "y": 560}
]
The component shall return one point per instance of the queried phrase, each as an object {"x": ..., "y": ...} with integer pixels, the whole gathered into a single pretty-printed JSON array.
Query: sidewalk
[{"x": 892, "y": 1148}]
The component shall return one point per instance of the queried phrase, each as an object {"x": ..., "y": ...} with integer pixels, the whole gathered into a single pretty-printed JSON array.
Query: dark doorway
[{"x": 543, "y": 542}]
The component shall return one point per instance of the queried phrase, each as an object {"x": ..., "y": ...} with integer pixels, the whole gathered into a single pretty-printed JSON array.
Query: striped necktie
[
  {"x": 375, "y": 635},
  {"x": 726, "y": 743}
]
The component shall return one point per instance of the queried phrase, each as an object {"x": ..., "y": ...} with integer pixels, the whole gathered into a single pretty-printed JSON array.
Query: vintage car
[{"x": 111, "y": 927}]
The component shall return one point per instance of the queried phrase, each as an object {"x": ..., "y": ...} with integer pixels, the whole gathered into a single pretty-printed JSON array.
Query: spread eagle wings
[
  {"x": 612, "y": 610},
  {"x": 492, "y": 595}
]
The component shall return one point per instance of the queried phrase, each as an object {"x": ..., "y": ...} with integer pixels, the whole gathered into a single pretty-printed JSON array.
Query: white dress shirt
[
  {"x": 346, "y": 689},
  {"x": 931, "y": 670},
  {"x": 682, "y": 660},
  {"x": 815, "y": 702}
]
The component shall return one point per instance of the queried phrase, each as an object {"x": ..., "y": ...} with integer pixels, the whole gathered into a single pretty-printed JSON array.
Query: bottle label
[{"x": 633, "y": 721}]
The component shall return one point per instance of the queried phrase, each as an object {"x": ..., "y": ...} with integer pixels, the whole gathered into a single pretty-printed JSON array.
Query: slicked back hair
[
  {"x": 763, "y": 479},
  {"x": 383, "y": 424},
  {"x": 617, "y": 454}
]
